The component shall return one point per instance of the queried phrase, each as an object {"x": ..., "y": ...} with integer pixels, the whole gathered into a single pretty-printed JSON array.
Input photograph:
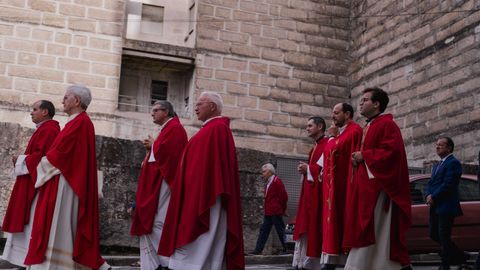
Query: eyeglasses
[
  {"x": 158, "y": 109},
  {"x": 198, "y": 104}
]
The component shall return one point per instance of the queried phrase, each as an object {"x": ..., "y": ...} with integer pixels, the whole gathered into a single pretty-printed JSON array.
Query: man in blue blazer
[{"x": 443, "y": 199}]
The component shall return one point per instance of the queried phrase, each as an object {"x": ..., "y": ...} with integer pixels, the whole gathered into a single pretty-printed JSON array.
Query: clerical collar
[
  {"x": 319, "y": 139},
  {"x": 41, "y": 123},
  {"x": 164, "y": 124},
  {"x": 71, "y": 117},
  {"x": 342, "y": 129},
  {"x": 373, "y": 118},
  {"x": 210, "y": 119}
]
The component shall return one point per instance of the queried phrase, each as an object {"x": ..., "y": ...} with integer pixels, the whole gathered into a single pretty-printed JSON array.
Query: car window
[
  {"x": 417, "y": 191},
  {"x": 468, "y": 190}
]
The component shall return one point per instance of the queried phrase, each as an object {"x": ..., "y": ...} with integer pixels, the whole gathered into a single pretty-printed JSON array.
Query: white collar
[
  {"x": 209, "y": 119},
  {"x": 41, "y": 123},
  {"x": 71, "y": 117},
  {"x": 164, "y": 124}
]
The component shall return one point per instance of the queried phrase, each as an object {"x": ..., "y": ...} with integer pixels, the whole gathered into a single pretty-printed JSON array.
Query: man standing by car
[
  {"x": 275, "y": 207},
  {"x": 443, "y": 198}
]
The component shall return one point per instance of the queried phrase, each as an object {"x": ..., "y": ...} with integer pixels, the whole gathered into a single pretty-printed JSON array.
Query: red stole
[
  {"x": 18, "y": 211},
  {"x": 208, "y": 169},
  {"x": 167, "y": 149},
  {"x": 308, "y": 210},
  {"x": 73, "y": 153},
  {"x": 384, "y": 154},
  {"x": 337, "y": 171}
]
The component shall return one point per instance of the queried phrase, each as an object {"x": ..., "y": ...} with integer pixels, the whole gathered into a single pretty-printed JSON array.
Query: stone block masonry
[
  {"x": 60, "y": 42},
  {"x": 425, "y": 55},
  {"x": 258, "y": 65}
]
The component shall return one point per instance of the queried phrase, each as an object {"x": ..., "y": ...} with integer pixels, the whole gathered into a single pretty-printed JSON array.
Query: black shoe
[
  {"x": 254, "y": 253},
  {"x": 408, "y": 267},
  {"x": 464, "y": 267},
  {"x": 328, "y": 267}
]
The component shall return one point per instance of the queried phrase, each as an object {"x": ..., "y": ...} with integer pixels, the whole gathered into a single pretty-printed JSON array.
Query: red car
[{"x": 466, "y": 230}]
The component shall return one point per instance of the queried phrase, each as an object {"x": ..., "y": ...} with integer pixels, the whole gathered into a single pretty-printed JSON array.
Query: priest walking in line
[
  {"x": 378, "y": 208},
  {"x": 308, "y": 225},
  {"x": 203, "y": 226},
  {"x": 65, "y": 229},
  {"x": 18, "y": 218},
  {"x": 156, "y": 179},
  {"x": 337, "y": 171}
]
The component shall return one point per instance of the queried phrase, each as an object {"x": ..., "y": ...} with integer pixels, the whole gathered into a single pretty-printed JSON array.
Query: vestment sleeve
[{"x": 45, "y": 172}]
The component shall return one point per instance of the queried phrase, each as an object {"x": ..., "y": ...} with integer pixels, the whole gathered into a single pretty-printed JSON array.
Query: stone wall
[
  {"x": 48, "y": 44},
  {"x": 275, "y": 62},
  {"x": 426, "y": 55},
  {"x": 120, "y": 160}
]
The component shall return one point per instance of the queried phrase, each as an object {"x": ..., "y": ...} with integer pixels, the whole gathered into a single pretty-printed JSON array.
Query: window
[
  {"x": 191, "y": 21},
  {"x": 468, "y": 190},
  {"x": 145, "y": 80},
  {"x": 417, "y": 191},
  {"x": 152, "y": 19},
  {"x": 158, "y": 91}
]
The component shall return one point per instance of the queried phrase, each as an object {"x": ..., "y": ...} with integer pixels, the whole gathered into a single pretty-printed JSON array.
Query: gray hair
[
  {"x": 269, "y": 167},
  {"x": 215, "y": 98},
  {"x": 166, "y": 105},
  {"x": 83, "y": 93}
]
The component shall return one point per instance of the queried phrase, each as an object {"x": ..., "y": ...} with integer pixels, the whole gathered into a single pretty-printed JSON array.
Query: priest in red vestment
[
  {"x": 378, "y": 204},
  {"x": 65, "y": 229},
  {"x": 337, "y": 171},
  {"x": 154, "y": 184},
  {"x": 308, "y": 222},
  {"x": 17, "y": 217},
  {"x": 203, "y": 226}
]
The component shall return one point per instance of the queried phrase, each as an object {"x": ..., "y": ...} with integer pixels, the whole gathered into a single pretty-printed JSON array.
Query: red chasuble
[
  {"x": 208, "y": 169},
  {"x": 73, "y": 153},
  {"x": 384, "y": 154},
  {"x": 314, "y": 212},
  {"x": 18, "y": 211},
  {"x": 167, "y": 149},
  {"x": 337, "y": 171},
  {"x": 305, "y": 210}
]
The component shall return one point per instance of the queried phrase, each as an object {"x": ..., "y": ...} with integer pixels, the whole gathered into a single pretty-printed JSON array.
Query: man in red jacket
[
  {"x": 17, "y": 221},
  {"x": 275, "y": 207}
]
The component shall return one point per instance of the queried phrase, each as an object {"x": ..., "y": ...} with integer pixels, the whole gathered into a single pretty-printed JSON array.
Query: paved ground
[
  {"x": 251, "y": 267},
  {"x": 421, "y": 262}
]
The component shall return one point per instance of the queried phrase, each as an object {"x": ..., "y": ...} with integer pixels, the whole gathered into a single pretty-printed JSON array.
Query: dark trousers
[
  {"x": 440, "y": 232},
  {"x": 268, "y": 221}
]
